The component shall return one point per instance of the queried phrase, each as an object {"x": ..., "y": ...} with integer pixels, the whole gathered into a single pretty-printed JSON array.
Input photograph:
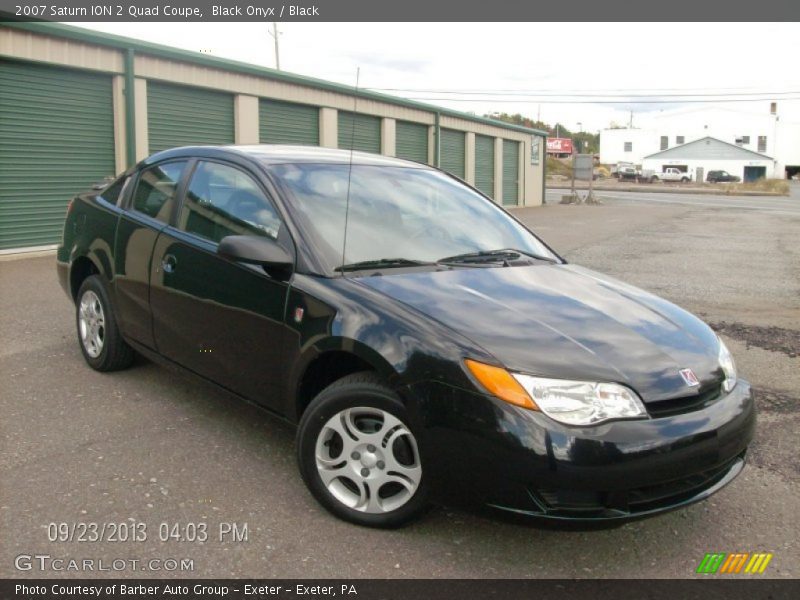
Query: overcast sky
[{"x": 542, "y": 58}]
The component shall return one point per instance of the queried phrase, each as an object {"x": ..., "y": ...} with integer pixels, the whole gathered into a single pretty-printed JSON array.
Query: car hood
[{"x": 566, "y": 322}]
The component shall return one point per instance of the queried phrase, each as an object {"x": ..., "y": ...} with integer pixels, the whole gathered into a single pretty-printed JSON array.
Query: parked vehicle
[
  {"x": 615, "y": 169},
  {"x": 668, "y": 174},
  {"x": 722, "y": 177},
  {"x": 428, "y": 346},
  {"x": 627, "y": 173}
]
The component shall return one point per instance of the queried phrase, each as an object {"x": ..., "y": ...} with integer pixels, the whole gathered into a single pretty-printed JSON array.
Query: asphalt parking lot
[{"x": 150, "y": 446}]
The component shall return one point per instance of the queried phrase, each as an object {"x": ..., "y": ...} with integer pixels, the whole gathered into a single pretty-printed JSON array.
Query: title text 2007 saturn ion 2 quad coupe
[{"x": 427, "y": 344}]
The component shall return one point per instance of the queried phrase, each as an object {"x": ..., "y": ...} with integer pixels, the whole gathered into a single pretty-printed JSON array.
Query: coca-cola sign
[{"x": 559, "y": 145}]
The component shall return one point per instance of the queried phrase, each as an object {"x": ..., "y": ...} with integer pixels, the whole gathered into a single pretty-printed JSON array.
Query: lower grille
[
  {"x": 642, "y": 498},
  {"x": 631, "y": 501}
]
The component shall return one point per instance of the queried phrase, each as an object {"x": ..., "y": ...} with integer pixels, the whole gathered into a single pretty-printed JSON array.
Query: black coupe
[{"x": 428, "y": 345}]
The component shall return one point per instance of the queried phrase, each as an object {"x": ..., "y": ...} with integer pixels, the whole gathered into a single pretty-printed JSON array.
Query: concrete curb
[{"x": 20, "y": 253}]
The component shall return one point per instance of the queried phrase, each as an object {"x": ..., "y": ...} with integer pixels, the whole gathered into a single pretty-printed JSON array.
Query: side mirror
[{"x": 257, "y": 251}]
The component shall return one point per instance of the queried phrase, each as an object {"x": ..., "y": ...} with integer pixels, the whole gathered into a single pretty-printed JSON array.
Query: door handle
[{"x": 168, "y": 263}]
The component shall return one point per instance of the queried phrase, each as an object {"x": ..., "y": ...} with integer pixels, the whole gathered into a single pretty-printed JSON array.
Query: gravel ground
[{"x": 149, "y": 446}]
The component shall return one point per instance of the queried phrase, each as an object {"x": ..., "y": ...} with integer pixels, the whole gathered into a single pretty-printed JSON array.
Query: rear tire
[
  {"x": 358, "y": 455},
  {"x": 684, "y": 180},
  {"x": 98, "y": 335}
]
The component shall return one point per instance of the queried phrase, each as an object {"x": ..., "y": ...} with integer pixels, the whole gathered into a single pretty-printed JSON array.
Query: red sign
[{"x": 559, "y": 145}]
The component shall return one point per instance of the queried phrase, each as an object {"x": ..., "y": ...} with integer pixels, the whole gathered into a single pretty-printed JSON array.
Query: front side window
[
  {"x": 396, "y": 212},
  {"x": 222, "y": 200},
  {"x": 157, "y": 188}
]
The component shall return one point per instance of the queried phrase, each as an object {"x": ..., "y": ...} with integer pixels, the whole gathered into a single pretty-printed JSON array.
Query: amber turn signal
[{"x": 500, "y": 383}]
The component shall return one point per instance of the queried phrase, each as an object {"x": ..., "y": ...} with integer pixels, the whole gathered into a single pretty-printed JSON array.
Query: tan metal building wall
[{"x": 72, "y": 48}]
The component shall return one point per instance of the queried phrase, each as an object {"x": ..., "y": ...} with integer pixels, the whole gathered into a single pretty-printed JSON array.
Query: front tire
[
  {"x": 358, "y": 455},
  {"x": 98, "y": 335}
]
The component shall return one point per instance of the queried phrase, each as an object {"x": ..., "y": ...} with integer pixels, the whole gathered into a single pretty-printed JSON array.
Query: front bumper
[{"x": 479, "y": 449}]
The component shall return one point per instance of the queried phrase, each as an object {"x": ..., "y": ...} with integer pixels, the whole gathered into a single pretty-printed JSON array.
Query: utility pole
[{"x": 275, "y": 33}]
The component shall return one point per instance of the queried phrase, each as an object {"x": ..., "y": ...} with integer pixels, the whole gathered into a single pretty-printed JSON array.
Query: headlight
[
  {"x": 568, "y": 402},
  {"x": 728, "y": 367},
  {"x": 582, "y": 402}
]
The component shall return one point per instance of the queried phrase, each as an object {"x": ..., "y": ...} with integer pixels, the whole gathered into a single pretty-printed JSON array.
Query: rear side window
[
  {"x": 157, "y": 188},
  {"x": 113, "y": 192},
  {"x": 222, "y": 200}
]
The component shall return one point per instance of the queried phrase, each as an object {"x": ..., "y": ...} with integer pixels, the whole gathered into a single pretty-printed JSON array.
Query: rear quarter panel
[{"x": 89, "y": 232}]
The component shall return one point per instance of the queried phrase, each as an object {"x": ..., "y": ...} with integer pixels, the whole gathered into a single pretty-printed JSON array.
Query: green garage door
[
  {"x": 510, "y": 173},
  {"x": 452, "y": 152},
  {"x": 186, "y": 116},
  {"x": 484, "y": 164},
  {"x": 411, "y": 141},
  {"x": 56, "y": 139},
  {"x": 364, "y": 131},
  {"x": 288, "y": 123}
]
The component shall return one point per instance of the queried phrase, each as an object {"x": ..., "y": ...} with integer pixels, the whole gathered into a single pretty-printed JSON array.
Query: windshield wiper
[
  {"x": 493, "y": 256},
  {"x": 384, "y": 263}
]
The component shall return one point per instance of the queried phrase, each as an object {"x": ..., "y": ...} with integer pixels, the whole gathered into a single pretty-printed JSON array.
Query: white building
[
  {"x": 707, "y": 154},
  {"x": 765, "y": 133}
]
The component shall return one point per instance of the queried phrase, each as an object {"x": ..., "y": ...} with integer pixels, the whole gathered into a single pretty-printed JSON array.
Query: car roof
[{"x": 273, "y": 154}]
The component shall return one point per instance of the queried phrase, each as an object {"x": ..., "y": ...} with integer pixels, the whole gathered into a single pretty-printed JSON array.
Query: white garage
[{"x": 710, "y": 154}]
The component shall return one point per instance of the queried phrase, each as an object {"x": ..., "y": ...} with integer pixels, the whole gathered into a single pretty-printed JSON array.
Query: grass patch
[
  {"x": 776, "y": 186},
  {"x": 557, "y": 166}
]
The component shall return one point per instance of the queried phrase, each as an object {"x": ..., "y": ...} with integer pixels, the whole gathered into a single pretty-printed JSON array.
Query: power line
[
  {"x": 563, "y": 95},
  {"x": 617, "y": 92},
  {"x": 533, "y": 100}
]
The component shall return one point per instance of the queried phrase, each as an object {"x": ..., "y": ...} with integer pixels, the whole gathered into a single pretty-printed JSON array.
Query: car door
[
  {"x": 220, "y": 318},
  {"x": 149, "y": 210}
]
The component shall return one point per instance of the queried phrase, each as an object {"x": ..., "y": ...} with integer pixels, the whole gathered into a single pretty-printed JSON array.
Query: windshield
[{"x": 396, "y": 212}]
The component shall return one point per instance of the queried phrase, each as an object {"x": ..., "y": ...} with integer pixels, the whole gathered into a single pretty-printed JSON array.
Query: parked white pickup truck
[{"x": 668, "y": 174}]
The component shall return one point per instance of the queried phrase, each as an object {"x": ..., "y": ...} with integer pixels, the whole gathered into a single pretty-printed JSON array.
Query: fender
[
  {"x": 395, "y": 339},
  {"x": 100, "y": 257},
  {"x": 96, "y": 245},
  {"x": 328, "y": 346}
]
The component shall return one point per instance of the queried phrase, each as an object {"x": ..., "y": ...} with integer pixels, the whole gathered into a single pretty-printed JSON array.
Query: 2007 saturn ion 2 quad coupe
[{"x": 428, "y": 345}]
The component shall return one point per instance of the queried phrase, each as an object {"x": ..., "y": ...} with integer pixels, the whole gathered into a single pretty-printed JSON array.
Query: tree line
[{"x": 589, "y": 142}]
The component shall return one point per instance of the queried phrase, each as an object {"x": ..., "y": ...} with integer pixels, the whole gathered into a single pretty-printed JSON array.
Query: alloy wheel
[
  {"x": 91, "y": 321},
  {"x": 368, "y": 460}
]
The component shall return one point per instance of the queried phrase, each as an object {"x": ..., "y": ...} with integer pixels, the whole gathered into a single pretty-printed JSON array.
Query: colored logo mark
[{"x": 735, "y": 562}]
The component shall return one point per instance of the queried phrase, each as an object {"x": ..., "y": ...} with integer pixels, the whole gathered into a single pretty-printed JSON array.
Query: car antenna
[{"x": 350, "y": 167}]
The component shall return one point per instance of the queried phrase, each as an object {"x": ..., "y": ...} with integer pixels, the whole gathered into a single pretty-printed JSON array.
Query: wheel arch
[
  {"x": 326, "y": 363},
  {"x": 81, "y": 268}
]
